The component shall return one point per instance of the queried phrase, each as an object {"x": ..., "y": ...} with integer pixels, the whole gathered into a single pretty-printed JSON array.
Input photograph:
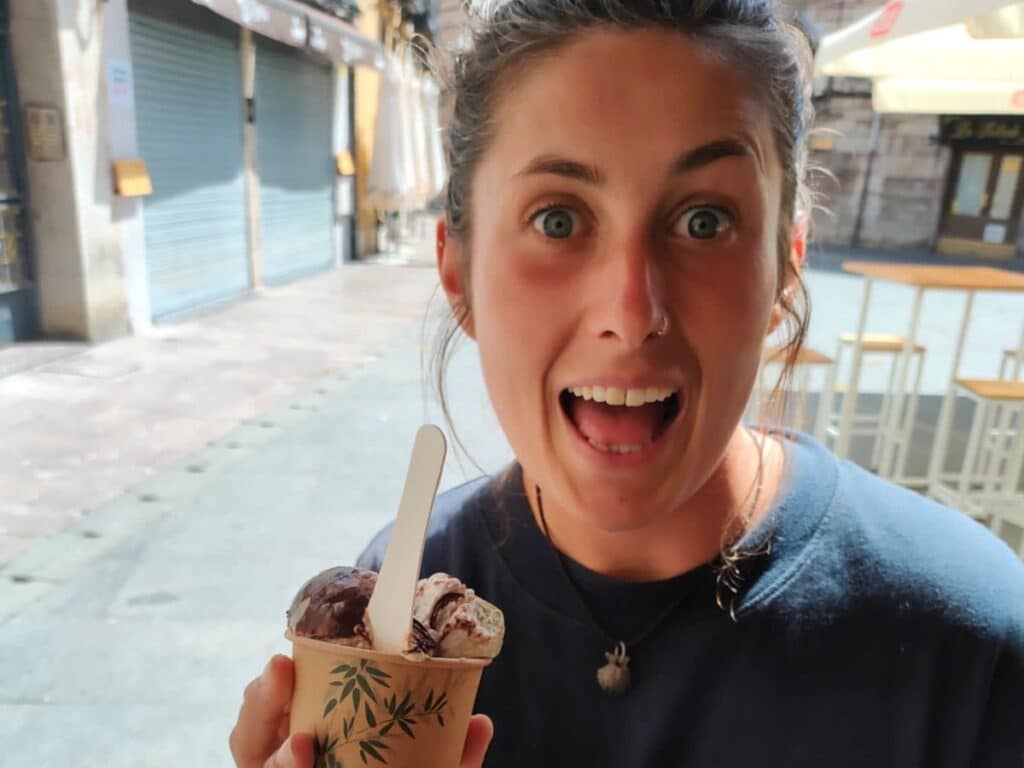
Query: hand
[{"x": 260, "y": 737}]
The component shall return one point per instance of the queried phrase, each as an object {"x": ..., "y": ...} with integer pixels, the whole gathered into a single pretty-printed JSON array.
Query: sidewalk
[
  {"x": 126, "y": 640},
  {"x": 83, "y": 424},
  {"x": 254, "y": 448}
]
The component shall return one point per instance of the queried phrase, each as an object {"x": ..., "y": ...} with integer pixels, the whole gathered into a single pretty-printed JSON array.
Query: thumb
[
  {"x": 296, "y": 752},
  {"x": 478, "y": 739}
]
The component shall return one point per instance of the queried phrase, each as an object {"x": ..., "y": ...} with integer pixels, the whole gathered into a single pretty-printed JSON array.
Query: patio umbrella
[
  {"x": 945, "y": 97},
  {"x": 935, "y": 56},
  {"x": 934, "y": 38},
  {"x": 435, "y": 147},
  {"x": 391, "y": 180},
  {"x": 418, "y": 133}
]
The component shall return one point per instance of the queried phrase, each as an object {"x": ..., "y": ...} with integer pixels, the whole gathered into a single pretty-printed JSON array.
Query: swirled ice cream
[{"x": 449, "y": 619}]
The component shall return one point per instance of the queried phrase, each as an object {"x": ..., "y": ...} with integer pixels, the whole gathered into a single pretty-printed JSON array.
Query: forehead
[{"x": 630, "y": 95}]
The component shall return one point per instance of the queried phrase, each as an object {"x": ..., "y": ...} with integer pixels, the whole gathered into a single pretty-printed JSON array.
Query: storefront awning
[
  {"x": 340, "y": 41},
  {"x": 300, "y": 25},
  {"x": 277, "y": 24}
]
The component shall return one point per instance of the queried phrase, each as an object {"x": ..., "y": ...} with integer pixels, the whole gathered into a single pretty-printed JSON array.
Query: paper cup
[{"x": 378, "y": 709}]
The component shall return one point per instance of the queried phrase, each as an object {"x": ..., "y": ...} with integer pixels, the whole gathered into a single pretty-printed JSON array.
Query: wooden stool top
[
  {"x": 806, "y": 356},
  {"x": 880, "y": 342},
  {"x": 994, "y": 389}
]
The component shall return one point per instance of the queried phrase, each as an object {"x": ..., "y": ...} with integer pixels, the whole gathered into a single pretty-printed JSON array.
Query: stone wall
[{"x": 908, "y": 175}]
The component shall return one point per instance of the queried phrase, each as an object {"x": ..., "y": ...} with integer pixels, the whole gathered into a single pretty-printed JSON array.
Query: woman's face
[{"x": 624, "y": 230}]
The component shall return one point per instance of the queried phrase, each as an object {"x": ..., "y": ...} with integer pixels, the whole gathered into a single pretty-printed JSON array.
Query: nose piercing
[{"x": 664, "y": 327}]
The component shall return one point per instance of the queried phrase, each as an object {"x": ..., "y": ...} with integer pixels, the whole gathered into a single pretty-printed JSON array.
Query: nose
[{"x": 630, "y": 306}]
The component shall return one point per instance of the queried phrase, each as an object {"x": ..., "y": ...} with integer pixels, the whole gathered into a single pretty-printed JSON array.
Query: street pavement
[{"x": 276, "y": 435}]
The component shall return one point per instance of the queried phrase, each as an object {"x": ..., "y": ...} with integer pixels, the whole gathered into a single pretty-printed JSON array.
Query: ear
[
  {"x": 449, "y": 269},
  {"x": 797, "y": 258}
]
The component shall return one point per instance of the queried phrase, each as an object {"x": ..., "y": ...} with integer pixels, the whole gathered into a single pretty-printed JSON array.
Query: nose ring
[{"x": 664, "y": 327}]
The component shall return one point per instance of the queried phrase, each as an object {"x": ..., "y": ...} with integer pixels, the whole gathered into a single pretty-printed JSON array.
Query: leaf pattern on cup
[{"x": 363, "y": 712}]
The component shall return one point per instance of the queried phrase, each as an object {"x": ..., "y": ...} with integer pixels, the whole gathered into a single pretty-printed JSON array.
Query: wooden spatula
[{"x": 390, "y": 608}]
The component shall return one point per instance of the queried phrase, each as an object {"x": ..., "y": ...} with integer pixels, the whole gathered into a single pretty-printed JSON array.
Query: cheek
[
  {"x": 728, "y": 315},
  {"x": 516, "y": 319}
]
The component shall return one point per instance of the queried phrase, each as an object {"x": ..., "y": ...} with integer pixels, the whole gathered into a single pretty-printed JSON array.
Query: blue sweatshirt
[{"x": 882, "y": 629}]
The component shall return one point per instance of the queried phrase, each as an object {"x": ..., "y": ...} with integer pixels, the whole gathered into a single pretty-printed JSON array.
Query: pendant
[{"x": 613, "y": 677}]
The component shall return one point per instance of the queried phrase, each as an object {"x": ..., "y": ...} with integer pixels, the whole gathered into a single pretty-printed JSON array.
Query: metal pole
[
  {"x": 253, "y": 212},
  {"x": 876, "y": 134}
]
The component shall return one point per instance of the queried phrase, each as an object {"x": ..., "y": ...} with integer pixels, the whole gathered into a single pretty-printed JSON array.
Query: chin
[{"x": 614, "y": 508}]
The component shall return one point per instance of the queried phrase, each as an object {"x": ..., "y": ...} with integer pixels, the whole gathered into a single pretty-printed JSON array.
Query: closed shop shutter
[
  {"x": 189, "y": 112},
  {"x": 294, "y": 97}
]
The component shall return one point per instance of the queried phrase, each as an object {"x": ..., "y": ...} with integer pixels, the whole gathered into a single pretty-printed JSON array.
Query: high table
[{"x": 921, "y": 277}]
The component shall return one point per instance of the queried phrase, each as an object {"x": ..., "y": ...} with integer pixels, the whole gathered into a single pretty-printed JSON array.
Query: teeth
[
  {"x": 631, "y": 398},
  {"x": 635, "y": 398},
  {"x": 622, "y": 449}
]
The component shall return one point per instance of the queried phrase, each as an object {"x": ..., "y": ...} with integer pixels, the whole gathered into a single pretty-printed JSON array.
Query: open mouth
[{"x": 620, "y": 421}]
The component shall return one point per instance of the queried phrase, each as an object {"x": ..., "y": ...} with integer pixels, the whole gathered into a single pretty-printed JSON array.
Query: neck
[{"x": 693, "y": 535}]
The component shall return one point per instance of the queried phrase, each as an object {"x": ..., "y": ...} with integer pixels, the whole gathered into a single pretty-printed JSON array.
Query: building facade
[
  {"x": 949, "y": 184},
  {"x": 166, "y": 156},
  {"x": 924, "y": 183}
]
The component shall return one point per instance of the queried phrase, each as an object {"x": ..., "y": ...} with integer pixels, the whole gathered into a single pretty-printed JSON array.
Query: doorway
[{"x": 982, "y": 210}]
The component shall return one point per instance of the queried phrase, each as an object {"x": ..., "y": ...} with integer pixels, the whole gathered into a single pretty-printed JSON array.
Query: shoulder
[
  {"x": 879, "y": 546},
  {"x": 455, "y": 529}
]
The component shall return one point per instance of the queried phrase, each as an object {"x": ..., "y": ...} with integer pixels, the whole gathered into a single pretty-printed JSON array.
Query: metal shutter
[
  {"x": 189, "y": 111},
  {"x": 294, "y": 98}
]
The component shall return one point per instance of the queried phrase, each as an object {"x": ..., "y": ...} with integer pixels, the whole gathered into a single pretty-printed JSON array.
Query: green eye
[
  {"x": 556, "y": 223},
  {"x": 704, "y": 223}
]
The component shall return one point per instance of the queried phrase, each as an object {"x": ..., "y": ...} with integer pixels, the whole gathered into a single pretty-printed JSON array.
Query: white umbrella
[
  {"x": 937, "y": 97},
  {"x": 935, "y": 56},
  {"x": 435, "y": 148},
  {"x": 418, "y": 133},
  {"x": 891, "y": 36},
  {"x": 390, "y": 180}
]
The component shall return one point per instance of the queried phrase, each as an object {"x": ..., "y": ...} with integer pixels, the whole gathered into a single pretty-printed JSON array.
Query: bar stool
[
  {"x": 773, "y": 359},
  {"x": 987, "y": 487},
  {"x": 1008, "y": 364},
  {"x": 892, "y": 425}
]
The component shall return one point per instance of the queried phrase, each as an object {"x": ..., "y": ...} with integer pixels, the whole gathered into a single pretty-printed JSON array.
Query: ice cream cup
[{"x": 370, "y": 708}]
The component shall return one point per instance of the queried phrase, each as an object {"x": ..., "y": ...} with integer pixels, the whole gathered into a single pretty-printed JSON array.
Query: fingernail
[
  {"x": 266, "y": 670},
  {"x": 285, "y": 758}
]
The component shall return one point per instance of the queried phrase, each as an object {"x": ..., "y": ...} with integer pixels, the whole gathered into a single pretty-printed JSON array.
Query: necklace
[{"x": 614, "y": 676}]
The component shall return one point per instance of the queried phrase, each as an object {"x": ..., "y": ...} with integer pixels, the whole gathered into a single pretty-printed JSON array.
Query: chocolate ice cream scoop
[
  {"x": 331, "y": 606},
  {"x": 449, "y": 620}
]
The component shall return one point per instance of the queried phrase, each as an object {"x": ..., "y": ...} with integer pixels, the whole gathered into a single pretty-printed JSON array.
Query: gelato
[{"x": 449, "y": 620}]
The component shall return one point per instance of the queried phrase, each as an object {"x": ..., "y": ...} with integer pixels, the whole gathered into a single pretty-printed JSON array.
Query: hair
[{"x": 504, "y": 37}]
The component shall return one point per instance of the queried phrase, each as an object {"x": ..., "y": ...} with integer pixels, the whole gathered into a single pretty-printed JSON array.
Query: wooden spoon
[{"x": 390, "y": 608}]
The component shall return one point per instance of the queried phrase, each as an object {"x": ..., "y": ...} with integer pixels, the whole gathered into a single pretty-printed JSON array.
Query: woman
[{"x": 621, "y": 234}]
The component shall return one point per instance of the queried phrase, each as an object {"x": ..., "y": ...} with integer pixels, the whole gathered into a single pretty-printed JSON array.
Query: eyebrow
[
  {"x": 702, "y": 156},
  {"x": 712, "y": 152}
]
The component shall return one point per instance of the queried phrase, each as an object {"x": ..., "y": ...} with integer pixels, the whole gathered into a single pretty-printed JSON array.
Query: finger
[
  {"x": 266, "y": 699},
  {"x": 478, "y": 739},
  {"x": 296, "y": 752}
]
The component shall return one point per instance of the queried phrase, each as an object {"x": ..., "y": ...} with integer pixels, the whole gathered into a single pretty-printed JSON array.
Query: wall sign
[
  {"x": 987, "y": 131},
  {"x": 45, "y": 132},
  {"x": 120, "y": 89}
]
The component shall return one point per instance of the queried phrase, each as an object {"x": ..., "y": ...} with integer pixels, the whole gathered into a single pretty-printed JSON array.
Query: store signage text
[{"x": 996, "y": 131}]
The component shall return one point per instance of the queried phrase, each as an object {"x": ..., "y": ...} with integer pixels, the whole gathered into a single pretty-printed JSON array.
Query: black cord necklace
[{"x": 614, "y": 676}]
